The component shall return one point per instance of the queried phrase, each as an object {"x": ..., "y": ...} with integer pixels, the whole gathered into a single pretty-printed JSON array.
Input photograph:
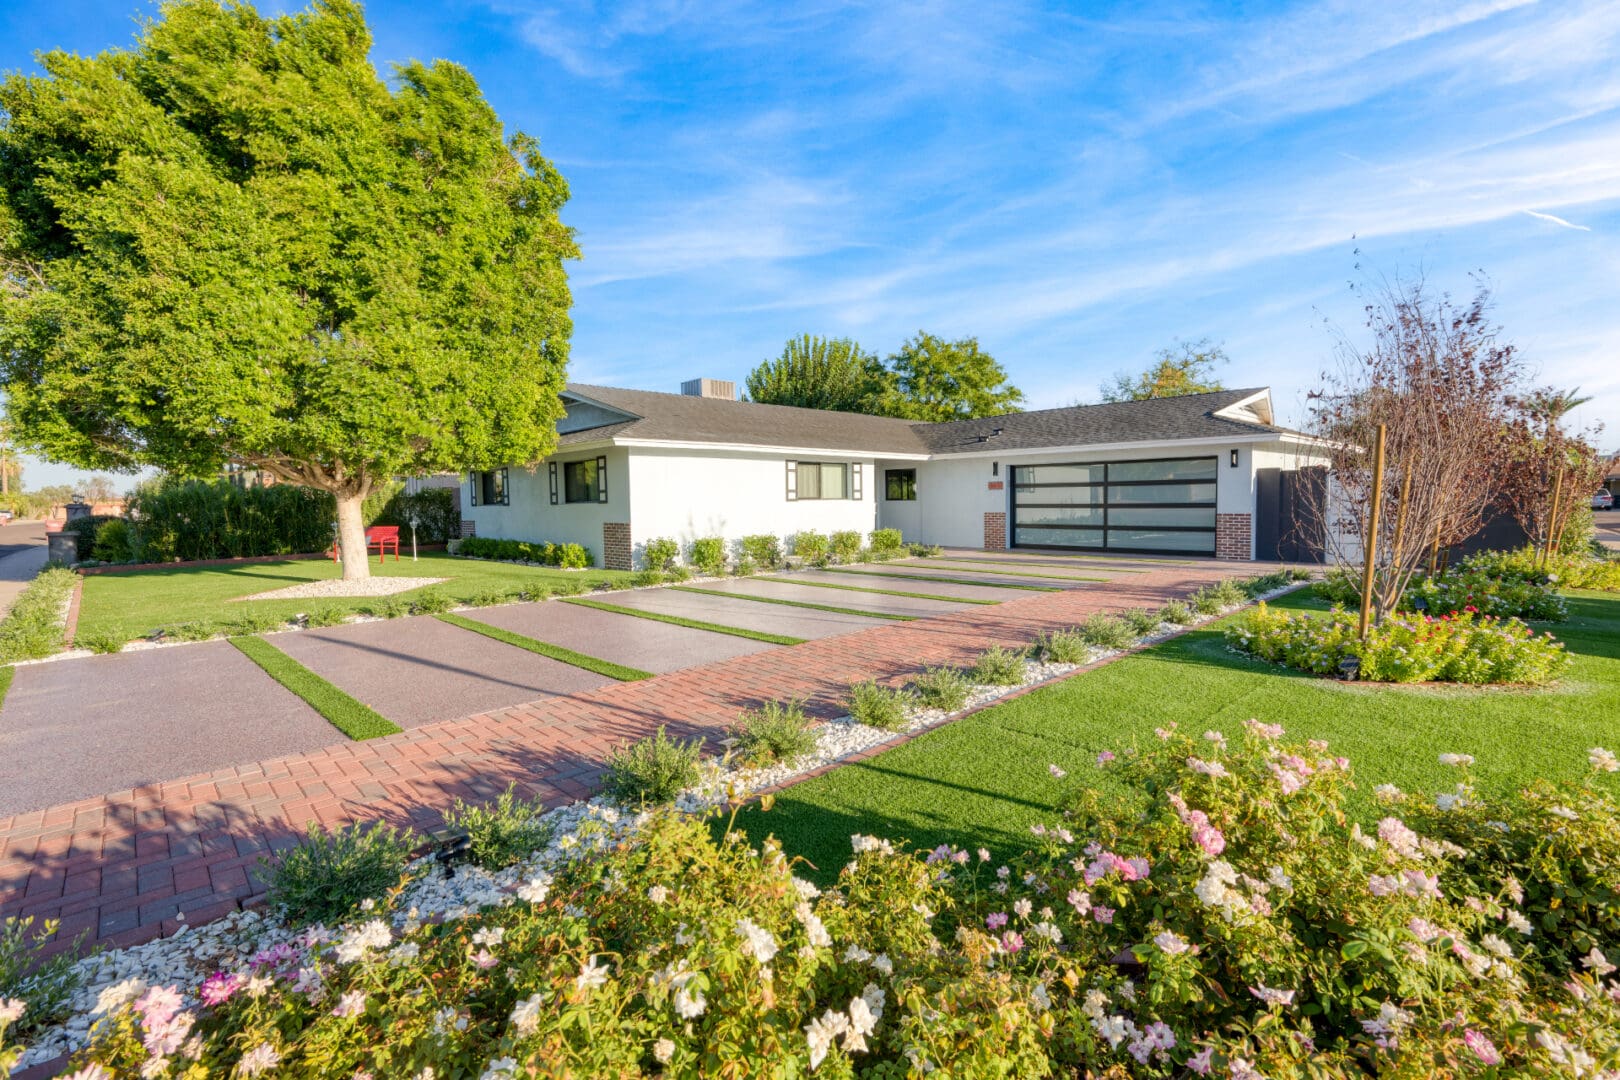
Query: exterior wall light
[{"x": 1234, "y": 459}]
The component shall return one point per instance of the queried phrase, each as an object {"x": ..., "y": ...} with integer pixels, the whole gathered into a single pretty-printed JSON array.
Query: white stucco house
[{"x": 1204, "y": 475}]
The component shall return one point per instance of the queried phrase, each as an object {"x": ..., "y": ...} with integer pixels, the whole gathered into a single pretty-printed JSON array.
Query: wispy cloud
[{"x": 1556, "y": 220}]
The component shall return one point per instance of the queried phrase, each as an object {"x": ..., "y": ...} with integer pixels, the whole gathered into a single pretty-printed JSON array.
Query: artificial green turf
[
  {"x": 796, "y": 603},
  {"x": 7, "y": 673},
  {"x": 353, "y": 718},
  {"x": 132, "y": 605},
  {"x": 695, "y": 624},
  {"x": 983, "y": 780},
  {"x": 545, "y": 648},
  {"x": 880, "y": 592},
  {"x": 945, "y": 580},
  {"x": 1030, "y": 562},
  {"x": 955, "y": 568}
]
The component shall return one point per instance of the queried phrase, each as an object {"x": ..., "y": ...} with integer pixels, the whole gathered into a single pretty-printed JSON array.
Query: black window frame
[
  {"x": 908, "y": 477},
  {"x": 1104, "y": 484},
  {"x": 601, "y": 493},
  {"x": 484, "y": 494}
]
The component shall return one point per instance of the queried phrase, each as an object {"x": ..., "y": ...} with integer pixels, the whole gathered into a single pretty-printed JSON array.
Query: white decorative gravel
[
  {"x": 443, "y": 893},
  {"x": 320, "y": 590}
]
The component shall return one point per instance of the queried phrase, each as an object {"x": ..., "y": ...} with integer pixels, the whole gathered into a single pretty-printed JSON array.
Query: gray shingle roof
[{"x": 682, "y": 418}]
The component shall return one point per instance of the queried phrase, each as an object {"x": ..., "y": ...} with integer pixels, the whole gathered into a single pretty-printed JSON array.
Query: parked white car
[{"x": 1602, "y": 499}]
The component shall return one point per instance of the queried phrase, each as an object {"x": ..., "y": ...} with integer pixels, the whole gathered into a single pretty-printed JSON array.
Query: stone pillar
[
  {"x": 1234, "y": 536},
  {"x": 616, "y": 553},
  {"x": 995, "y": 530}
]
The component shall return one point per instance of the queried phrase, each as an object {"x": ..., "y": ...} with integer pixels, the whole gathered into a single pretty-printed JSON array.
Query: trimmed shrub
[
  {"x": 489, "y": 596},
  {"x": 102, "y": 642},
  {"x": 776, "y": 731},
  {"x": 567, "y": 587},
  {"x": 708, "y": 555},
  {"x": 1206, "y": 601},
  {"x": 388, "y": 607},
  {"x": 503, "y": 832},
  {"x": 327, "y": 876},
  {"x": 886, "y": 542},
  {"x": 925, "y": 551},
  {"x": 652, "y": 772},
  {"x": 567, "y": 556},
  {"x": 88, "y": 529},
  {"x": 257, "y": 622},
  {"x": 214, "y": 519},
  {"x": 326, "y": 616},
  {"x": 997, "y": 666},
  {"x": 644, "y": 578},
  {"x": 44, "y": 986},
  {"x": 661, "y": 553},
  {"x": 1178, "y": 612},
  {"x": 1106, "y": 632},
  {"x": 761, "y": 550},
  {"x": 877, "y": 706},
  {"x": 811, "y": 546},
  {"x": 434, "y": 511},
  {"x": 1062, "y": 647},
  {"x": 1228, "y": 593},
  {"x": 33, "y": 628},
  {"x": 1140, "y": 621},
  {"x": 114, "y": 542},
  {"x": 430, "y": 602},
  {"x": 1463, "y": 648},
  {"x": 196, "y": 630},
  {"x": 943, "y": 688},
  {"x": 846, "y": 545}
]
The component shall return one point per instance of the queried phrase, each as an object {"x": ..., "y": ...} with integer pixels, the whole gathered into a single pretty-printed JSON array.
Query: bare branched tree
[
  {"x": 1437, "y": 375},
  {"x": 1550, "y": 473}
]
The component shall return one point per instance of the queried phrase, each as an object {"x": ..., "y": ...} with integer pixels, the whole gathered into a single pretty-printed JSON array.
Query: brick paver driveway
[{"x": 122, "y": 867}]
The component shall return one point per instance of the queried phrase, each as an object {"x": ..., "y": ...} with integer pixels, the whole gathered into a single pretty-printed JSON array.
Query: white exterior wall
[
  {"x": 529, "y": 514},
  {"x": 686, "y": 494}
]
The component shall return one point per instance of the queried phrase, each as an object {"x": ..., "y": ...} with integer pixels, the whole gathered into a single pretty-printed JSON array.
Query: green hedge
[
  {"x": 437, "y": 515},
  {"x": 567, "y": 556},
  {"x": 214, "y": 519}
]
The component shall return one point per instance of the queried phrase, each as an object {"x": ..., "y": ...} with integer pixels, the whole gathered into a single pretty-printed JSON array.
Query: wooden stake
[
  {"x": 1552, "y": 519},
  {"x": 1372, "y": 534},
  {"x": 1400, "y": 509}
]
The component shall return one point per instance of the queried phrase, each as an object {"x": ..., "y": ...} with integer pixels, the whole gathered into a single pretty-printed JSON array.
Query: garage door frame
[{"x": 1106, "y": 484}]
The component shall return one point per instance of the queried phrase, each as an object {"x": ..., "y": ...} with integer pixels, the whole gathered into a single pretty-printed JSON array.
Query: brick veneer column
[
  {"x": 616, "y": 554},
  {"x": 995, "y": 531},
  {"x": 1233, "y": 536}
]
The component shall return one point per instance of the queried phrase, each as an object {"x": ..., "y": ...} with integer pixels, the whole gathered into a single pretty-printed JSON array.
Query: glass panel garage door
[{"x": 1165, "y": 506}]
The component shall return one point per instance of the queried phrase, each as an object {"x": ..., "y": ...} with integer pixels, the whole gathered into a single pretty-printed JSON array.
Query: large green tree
[
  {"x": 938, "y": 380},
  {"x": 1188, "y": 367},
  {"x": 821, "y": 373},
  {"x": 235, "y": 242}
]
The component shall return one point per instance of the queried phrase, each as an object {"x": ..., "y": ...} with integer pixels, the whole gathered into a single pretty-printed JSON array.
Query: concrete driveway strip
[
  {"x": 744, "y": 614},
  {"x": 419, "y": 670},
  {"x": 900, "y": 584},
  {"x": 72, "y": 729},
  {"x": 808, "y": 594},
  {"x": 624, "y": 639},
  {"x": 951, "y": 570}
]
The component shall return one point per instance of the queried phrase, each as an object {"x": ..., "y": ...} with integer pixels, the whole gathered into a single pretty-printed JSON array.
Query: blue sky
[{"x": 1077, "y": 185}]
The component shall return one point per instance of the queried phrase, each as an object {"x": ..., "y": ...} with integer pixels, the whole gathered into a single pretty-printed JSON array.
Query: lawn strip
[
  {"x": 945, "y": 580},
  {"x": 545, "y": 648},
  {"x": 795, "y": 603},
  {"x": 7, "y": 673},
  {"x": 953, "y": 560},
  {"x": 958, "y": 569},
  {"x": 677, "y": 620},
  {"x": 355, "y": 719},
  {"x": 983, "y": 780},
  {"x": 880, "y": 592}
]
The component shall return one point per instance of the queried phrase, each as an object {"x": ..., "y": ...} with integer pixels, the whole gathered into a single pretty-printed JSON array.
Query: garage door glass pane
[
  {"x": 1059, "y": 474},
  {"x": 1175, "y": 469},
  {"x": 1200, "y": 517},
  {"x": 1062, "y": 515},
  {"x": 1201, "y": 542},
  {"x": 1058, "y": 496},
  {"x": 1059, "y": 537},
  {"x": 1140, "y": 494}
]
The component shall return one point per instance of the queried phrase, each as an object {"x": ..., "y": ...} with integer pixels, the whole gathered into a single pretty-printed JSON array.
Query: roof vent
[{"x": 724, "y": 389}]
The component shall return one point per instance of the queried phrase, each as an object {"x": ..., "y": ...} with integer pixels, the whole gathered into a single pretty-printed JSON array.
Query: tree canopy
[
  {"x": 821, "y": 373},
  {"x": 929, "y": 378},
  {"x": 1187, "y": 367},
  {"x": 235, "y": 242}
]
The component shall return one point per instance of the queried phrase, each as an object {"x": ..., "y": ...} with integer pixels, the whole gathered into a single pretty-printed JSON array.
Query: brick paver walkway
[{"x": 121, "y": 867}]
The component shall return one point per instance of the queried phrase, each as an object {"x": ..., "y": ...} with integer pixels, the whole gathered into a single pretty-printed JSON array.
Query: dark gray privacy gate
[
  {"x": 1288, "y": 526},
  {"x": 1160, "y": 506}
]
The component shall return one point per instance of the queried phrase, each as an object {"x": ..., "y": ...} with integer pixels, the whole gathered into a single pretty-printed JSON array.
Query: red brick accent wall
[
  {"x": 1233, "y": 536},
  {"x": 995, "y": 531},
  {"x": 616, "y": 545}
]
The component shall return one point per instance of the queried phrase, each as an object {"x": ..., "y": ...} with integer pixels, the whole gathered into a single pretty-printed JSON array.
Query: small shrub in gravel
[
  {"x": 846, "y": 545},
  {"x": 1229, "y": 592},
  {"x": 997, "y": 666},
  {"x": 257, "y": 622},
  {"x": 943, "y": 688},
  {"x": 677, "y": 574},
  {"x": 190, "y": 631},
  {"x": 489, "y": 596},
  {"x": 877, "y": 706},
  {"x": 646, "y": 578},
  {"x": 569, "y": 587},
  {"x": 661, "y": 553},
  {"x": 811, "y": 546},
  {"x": 763, "y": 551},
  {"x": 431, "y": 602},
  {"x": 326, "y": 616},
  {"x": 503, "y": 832},
  {"x": 1205, "y": 602},
  {"x": 1178, "y": 612},
  {"x": 1106, "y": 632},
  {"x": 886, "y": 543},
  {"x": 329, "y": 875},
  {"x": 1264, "y": 583},
  {"x": 100, "y": 642},
  {"x": 1141, "y": 621},
  {"x": 708, "y": 555},
  {"x": 388, "y": 607},
  {"x": 777, "y": 731},
  {"x": 44, "y": 986},
  {"x": 652, "y": 772},
  {"x": 925, "y": 551},
  {"x": 1062, "y": 647}
]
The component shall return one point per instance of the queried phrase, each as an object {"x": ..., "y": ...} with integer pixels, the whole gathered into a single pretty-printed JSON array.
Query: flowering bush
[
  {"x": 1480, "y": 582},
  {"x": 1568, "y": 570},
  {"x": 1223, "y": 917},
  {"x": 1463, "y": 648}
]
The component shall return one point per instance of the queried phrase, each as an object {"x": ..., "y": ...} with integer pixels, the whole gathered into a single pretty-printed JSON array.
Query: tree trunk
[{"x": 352, "y": 536}]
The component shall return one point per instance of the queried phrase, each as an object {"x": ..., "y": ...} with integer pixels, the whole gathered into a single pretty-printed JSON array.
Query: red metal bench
[{"x": 378, "y": 537}]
